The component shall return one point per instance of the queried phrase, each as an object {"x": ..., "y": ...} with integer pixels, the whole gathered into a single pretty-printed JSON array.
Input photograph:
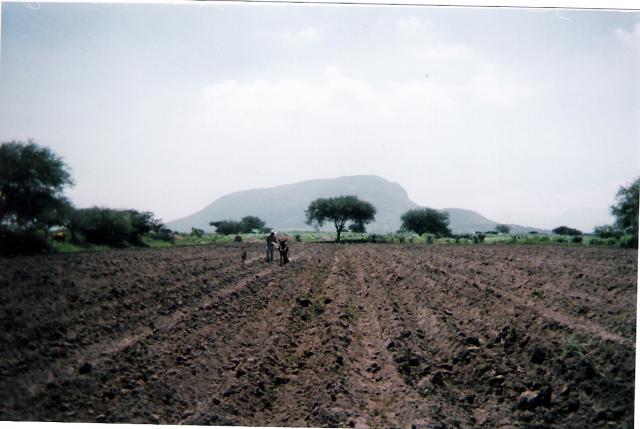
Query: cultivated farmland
[{"x": 363, "y": 335}]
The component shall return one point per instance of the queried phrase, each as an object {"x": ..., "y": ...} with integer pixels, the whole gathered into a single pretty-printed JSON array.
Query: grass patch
[
  {"x": 572, "y": 346},
  {"x": 65, "y": 247}
]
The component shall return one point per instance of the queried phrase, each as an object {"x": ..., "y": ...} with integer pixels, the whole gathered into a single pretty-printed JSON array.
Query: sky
[{"x": 527, "y": 116}]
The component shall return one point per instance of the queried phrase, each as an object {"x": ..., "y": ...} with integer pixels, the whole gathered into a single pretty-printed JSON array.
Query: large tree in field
[
  {"x": 31, "y": 182},
  {"x": 340, "y": 210},
  {"x": 625, "y": 209},
  {"x": 426, "y": 220}
]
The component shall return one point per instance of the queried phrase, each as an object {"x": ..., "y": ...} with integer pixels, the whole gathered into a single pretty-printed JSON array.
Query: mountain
[
  {"x": 468, "y": 221},
  {"x": 282, "y": 207}
]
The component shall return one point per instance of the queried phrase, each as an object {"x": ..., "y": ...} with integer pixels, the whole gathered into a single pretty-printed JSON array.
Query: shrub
[
  {"x": 163, "y": 235},
  {"x": 503, "y": 229},
  {"x": 628, "y": 241},
  {"x": 102, "y": 226},
  {"x": 429, "y": 238},
  {"x": 607, "y": 231},
  {"x": 358, "y": 227},
  {"x": 237, "y": 238},
  {"x": 197, "y": 232},
  {"x": 225, "y": 227},
  {"x": 17, "y": 243},
  {"x": 576, "y": 239}
]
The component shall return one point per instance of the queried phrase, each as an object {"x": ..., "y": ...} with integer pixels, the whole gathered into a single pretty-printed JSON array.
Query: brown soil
[{"x": 344, "y": 335}]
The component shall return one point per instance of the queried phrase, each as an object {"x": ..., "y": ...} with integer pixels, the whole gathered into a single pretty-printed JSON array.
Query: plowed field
[{"x": 345, "y": 335}]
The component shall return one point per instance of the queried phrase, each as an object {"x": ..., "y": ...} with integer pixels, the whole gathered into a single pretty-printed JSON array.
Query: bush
[
  {"x": 629, "y": 242},
  {"x": 225, "y": 227},
  {"x": 297, "y": 237},
  {"x": 17, "y": 243},
  {"x": 358, "y": 227},
  {"x": 237, "y": 238},
  {"x": 102, "y": 226},
  {"x": 197, "y": 232},
  {"x": 478, "y": 238},
  {"x": 429, "y": 238},
  {"x": 576, "y": 239},
  {"x": 607, "y": 231},
  {"x": 503, "y": 229},
  {"x": 246, "y": 225},
  {"x": 163, "y": 235}
]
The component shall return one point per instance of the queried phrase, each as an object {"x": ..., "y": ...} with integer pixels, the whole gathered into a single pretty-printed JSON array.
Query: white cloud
[
  {"x": 338, "y": 95},
  {"x": 630, "y": 38}
]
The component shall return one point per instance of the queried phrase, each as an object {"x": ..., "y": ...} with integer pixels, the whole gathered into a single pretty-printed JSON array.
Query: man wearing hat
[{"x": 271, "y": 242}]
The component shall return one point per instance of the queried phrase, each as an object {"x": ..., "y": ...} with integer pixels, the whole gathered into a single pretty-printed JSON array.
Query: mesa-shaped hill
[{"x": 283, "y": 207}]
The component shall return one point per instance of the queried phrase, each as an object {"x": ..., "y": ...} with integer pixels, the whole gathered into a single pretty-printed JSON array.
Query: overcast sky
[{"x": 526, "y": 116}]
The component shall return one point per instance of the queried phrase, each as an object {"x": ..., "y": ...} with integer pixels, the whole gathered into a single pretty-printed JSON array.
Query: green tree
[
  {"x": 32, "y": 179},
  {"x": 502, "y": 228},
  {"x": 565, "y": 230},
  {"x": 607, "y": 231},
  {"x": 226, "y": 227},
  {"x": 197, "y": 232},
  {"x": 340, "y": 210},
  {"x": 625, "y": 209},
  {"x": 426, "y": 220},
  {"x": 251, "y": 223},
  {"x": 99, "y": 225},
  {"x": 142, "y": 223},
  {"x": 358, "y": 227}
]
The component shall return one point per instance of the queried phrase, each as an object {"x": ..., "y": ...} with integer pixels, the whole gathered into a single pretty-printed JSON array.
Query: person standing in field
[{"x": 271, "y": 242}]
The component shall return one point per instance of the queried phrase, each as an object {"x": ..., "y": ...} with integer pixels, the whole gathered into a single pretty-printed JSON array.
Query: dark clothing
[{"x": 271, "y": 241}]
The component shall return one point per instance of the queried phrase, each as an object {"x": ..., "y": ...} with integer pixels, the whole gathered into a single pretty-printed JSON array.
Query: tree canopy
[
  {"x": 625, "y": 208},
  {"x": 340, "y": 210},
  {"x": 565, "y": 230},
  {"x": 426, "y": 220},
  {"x": 31, "y": 182},
  {"x": 502, "y": 228},
  {"x": 246, "y": 225}
]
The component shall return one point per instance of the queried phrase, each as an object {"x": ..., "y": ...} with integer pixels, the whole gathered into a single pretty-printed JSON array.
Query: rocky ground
[{"x": 360, "y": 335}]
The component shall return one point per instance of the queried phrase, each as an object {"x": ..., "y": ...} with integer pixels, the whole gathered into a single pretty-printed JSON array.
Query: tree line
[
  {"x": 32, "y": 181},
  {"x": 33, "y": 178}
]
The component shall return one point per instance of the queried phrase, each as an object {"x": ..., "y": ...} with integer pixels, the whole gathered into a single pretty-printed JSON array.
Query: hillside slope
[{"x": 283, "y": 207}]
